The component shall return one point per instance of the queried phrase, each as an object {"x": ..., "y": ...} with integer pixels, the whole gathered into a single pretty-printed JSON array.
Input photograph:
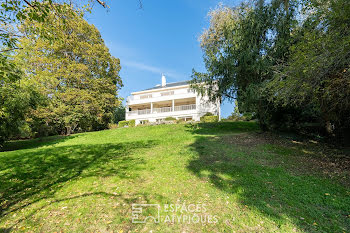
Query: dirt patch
[
  {"x": 299, "y": 156},
  {"x": 245, "y": 139}
]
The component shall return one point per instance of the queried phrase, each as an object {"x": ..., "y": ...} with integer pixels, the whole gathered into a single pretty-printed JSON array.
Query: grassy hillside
[{"x": 247, "y": 181}]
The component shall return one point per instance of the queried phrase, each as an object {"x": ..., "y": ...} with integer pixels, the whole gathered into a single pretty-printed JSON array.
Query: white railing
[
  {"x": 160, "y": 94},
  {"x": 140, "y": 112},
  {"x": 164, "y": 109},
  {"x": 185, "y": 107}
]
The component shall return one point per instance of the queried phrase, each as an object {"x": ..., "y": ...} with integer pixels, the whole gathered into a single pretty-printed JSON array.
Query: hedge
[
  {"x": 209, "y": 119},
  {"x": 181, "y": 120},
  {"x": 131, "y": 123},
  {"x": 170, "y": 119},
  {"x": 123, "y": 123}
]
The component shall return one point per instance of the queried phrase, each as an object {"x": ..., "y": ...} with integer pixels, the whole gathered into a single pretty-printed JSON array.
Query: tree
[
  {"x": 119, "y": 114},
  {"x": 241, "y": 47},
  {"x": 317, "y": 72},
  {"x": 75, "y": 73},
  {"x": 14, "y": 11},
  {"x": 16, "y": 98}
]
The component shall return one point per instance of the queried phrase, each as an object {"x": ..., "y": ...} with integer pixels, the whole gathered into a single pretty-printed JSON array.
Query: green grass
[{"x": 250, "y": 182}]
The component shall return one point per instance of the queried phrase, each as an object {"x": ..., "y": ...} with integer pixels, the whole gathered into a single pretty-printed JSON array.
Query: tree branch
[
  {"x": 28, "y": 3},
  {"x": 102, "y": 3},
  {"x": 8, "y": 50}
]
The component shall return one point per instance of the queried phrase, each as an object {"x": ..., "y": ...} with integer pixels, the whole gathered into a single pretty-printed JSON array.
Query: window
[
  {"x": 146, "y": 96},
  {"x": 167, "y": 93}
]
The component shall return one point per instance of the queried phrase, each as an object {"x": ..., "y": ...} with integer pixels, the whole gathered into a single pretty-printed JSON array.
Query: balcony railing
[
  {"x": 160, "y": 110},
  {"x": 139, "y": 112},
  {"x": 164, "y": 109},
  {"x": 185, "y": 107},
  {"x": 160, "y": 94}
]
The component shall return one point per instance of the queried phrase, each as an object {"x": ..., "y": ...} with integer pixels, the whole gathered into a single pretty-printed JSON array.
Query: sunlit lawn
[{"x": 249, "y": 182}]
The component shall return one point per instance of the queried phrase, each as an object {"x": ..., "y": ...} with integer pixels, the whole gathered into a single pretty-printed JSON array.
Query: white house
[{"x": 176, "y": 100}]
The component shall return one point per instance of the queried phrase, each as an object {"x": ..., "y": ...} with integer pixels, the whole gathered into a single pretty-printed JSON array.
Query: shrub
[
  {"x": 170, "y": 119},
  {"x": 208, "y": 119},
  {"x": 123, "y": 123},
  {"x": 208, "y": 114},
  {"x": 112, "y": 126},
  {"x": 181, "y": 120},
  {"x": 131, "y": 123}
]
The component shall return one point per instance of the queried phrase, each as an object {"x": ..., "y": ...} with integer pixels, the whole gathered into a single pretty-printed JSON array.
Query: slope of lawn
[{"x": 248, "y": 181}]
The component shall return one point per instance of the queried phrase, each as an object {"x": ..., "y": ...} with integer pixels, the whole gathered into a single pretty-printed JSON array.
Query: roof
[{"x": 168, "y": 85}]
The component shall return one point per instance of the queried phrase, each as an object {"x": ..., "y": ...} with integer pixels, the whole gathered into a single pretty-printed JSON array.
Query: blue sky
[{"x": 162, "y": 37}]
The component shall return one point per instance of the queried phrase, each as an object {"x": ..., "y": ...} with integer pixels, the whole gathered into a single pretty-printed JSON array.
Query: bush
[
  {"x": 181, "y": 120},
  {"x": 123, "y": 123},
  {"x": 170, "y": 119},
  {"x": 112, "y": 126},
  {"x": 208, "y": 119},
  {"x": 208, "y": 114},
  {"x": 131, "y": 123}
]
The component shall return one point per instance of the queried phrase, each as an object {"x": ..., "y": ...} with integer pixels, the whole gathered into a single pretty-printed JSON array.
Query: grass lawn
[{"x": 239, "y": 179}]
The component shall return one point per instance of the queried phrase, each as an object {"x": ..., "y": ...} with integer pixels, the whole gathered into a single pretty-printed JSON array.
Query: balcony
[
  {"x": 163, "y": 110},
  {"x": 160, "y": 96}
]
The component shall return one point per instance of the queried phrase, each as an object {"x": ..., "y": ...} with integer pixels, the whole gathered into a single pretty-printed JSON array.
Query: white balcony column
[
  {"x": 151, "y": 107},
  {"x": 173, "y": 106}
]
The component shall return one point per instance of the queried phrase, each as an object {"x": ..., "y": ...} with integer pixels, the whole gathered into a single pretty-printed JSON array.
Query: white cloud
[{"x": 153, "y": 69}]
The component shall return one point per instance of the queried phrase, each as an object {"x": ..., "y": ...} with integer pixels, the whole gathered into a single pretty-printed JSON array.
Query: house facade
[{"x": 176, "y": 100}]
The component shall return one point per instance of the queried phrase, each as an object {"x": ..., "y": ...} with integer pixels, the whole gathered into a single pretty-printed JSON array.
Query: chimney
[{"x": 163, "y": 80}]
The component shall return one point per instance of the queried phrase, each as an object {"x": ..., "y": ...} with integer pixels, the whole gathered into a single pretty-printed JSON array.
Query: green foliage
[
  {"x": 241, "y": 47},
  {"x": 208, "y": 114},
  {"x": 12, "y": 12},
  {"x": 170, "y": 119},
  {"x": 131, "y": 123},
  {"x": 278, "y": 64},
  {"x": 16, "y": 99},
  {"x": 208, "y": 119},
  {"x": 119, "y": 114},
  {"x": 75, "y": 72},
  {"x": 112, "y": 126},
  {"x": 179, "y": 121},
  {"x": 238, "y": 168},
  {"x": 317, "y": 74},
  {"x": 123, "y": 123},
  {"x": 237, "y": 116}
]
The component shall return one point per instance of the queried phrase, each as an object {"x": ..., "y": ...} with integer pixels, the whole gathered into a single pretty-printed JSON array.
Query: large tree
[
  {"x": 241, "y": 47},
  {"x": 14, "y": 11},
  {"x": 75, "y": 72},
  {"x": 287, "y": 61},
  {"x": 318, "y": 71}
]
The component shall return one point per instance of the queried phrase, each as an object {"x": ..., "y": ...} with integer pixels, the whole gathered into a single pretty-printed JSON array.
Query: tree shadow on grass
[
  {"x": 30, "y": 176},
  {"x": 135, "y": 198},
  {"x": 310, "y": 202},
  {"x": 35, "y": 143},
  {"x": 222, "y": 127}
]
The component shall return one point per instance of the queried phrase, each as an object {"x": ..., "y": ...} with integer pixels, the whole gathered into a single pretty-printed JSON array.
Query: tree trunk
[{"x": 68, "y": 130}]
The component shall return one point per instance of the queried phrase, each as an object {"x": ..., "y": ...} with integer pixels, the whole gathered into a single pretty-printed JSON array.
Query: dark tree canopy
[{"x": 287, "y": 61}]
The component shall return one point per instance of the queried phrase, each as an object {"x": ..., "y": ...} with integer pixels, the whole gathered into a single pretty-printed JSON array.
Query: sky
[{"x": 161, "y": 37}]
